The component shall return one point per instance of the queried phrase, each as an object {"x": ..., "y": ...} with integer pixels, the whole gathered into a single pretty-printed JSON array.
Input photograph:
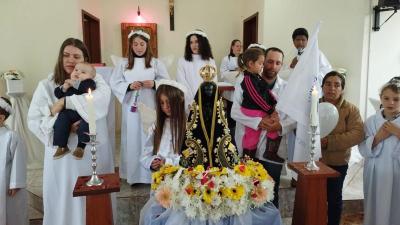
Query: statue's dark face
[{"x": 208, "y": 88}]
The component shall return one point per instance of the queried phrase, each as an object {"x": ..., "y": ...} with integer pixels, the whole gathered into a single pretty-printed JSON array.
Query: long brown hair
[
  {"x": 60, "y": 75},
  {"x": 177, "y": 119},
  {"x": 131, "y": 54}
]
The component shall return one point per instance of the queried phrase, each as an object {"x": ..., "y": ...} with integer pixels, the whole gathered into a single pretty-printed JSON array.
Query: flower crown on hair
[
  {"x": 256, "y": 45},
  {"x": 171, "y": 83},
  {"x": 198, "y": 32},
  {"x": 4, "y": 105},
  {"x": 139, "y": 32}
]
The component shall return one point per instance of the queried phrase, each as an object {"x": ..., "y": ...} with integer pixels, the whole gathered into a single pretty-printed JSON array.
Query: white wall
[
  {"x": 220, "y": 19},
  {"x": 384, "y": 56},
  {"x": 340, "y": 38},
  {"x": 31, "y": 36},
  {"x": 249, "y": 10}
]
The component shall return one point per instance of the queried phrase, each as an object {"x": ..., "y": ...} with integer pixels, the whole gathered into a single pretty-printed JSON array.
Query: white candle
[
  {"x": 314, "y": 107},
  {"x": 91, "y": 113}
]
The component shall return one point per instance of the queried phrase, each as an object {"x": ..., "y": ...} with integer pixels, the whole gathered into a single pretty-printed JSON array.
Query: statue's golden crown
[{"x": 208, "y": 73}]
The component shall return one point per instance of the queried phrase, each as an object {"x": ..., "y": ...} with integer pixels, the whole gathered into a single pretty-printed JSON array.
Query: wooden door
[
  {"x": 250, "y": 30},
  {"x": 91, "y": 36}
]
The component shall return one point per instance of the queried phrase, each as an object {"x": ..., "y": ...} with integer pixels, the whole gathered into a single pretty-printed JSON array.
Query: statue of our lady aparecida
[
  {"x": 196, "y": 195},
  {"x": 208, "y": 141}
]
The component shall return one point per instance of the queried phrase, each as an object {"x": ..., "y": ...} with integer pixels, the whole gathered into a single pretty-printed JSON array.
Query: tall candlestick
[
  {"x": 314, "y": 107},
  {"x": 91, "y": 113}
]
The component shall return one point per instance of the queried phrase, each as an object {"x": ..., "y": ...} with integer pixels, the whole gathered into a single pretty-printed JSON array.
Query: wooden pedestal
[
  {"x": 310, "y": 206},
  {"x": 98, "y": 199}
]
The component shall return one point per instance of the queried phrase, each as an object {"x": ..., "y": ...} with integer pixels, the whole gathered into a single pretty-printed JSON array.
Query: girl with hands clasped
[
  {"x": 133, "y": 82},
  {"x": 381, "y": 150}
]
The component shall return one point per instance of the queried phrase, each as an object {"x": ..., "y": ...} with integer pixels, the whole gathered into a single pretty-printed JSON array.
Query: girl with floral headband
[
  {"x": 133, "y": 82},
  {"x": 13, "y": 198},
  {"x": 197, "y": 54}
]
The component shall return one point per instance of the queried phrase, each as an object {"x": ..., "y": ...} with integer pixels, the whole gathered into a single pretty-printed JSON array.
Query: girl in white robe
[
  {"x": 13, "y": 198},
  {"x": 133, "y": 82},
  {"x": 381, "y": 150},
  {"x": 167, "y": 134},
  {"x": 59, "y": 176},
  {"x": 197, "y": 54},
  {"x": 229, "y": 70}
]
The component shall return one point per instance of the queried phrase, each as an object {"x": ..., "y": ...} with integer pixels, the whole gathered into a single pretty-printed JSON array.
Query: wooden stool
[
  {"x": 310, "y": 205},
  {"x": 98, "y": 199}
]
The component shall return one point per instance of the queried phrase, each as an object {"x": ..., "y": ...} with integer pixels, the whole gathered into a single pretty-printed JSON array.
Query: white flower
[
  {"x": 209, "y": 196},
  {"x": 12, "y": 75}
]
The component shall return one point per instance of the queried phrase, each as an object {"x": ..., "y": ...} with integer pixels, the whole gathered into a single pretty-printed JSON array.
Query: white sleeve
[
  {"x": 181, "y": 78},
  {"x": 287, "y": 123},
  {"x": 147, "y": 155},
  {"x": 18, "y": 169},
  {"x": 161, "y": 70},
  {"x": 365, "y": 147},
  {"x": 173, "y": 159},
  {"x": 212, "y": 62},
  {"x": 237, "y": 114},
  {"x": 101, "y": 100},
  {"x": 118, "y": 83},
  {"x": 40, "y": 121},
  {"x": 224, "y": 66}
]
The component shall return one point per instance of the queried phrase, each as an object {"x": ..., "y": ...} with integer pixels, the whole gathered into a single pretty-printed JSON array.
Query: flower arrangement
[
  {"x": 213, "y": 193},
  {"x": 12, "y": 75}
]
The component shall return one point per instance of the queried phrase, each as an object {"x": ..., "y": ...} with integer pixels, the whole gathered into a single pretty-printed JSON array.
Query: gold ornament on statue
[{"x": 208, "y": 73}]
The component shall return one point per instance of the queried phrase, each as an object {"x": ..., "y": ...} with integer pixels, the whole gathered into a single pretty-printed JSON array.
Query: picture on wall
[{"x": 150, "y": 28}]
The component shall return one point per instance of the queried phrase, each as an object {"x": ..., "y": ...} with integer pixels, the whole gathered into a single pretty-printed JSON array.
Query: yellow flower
[
  {"x": 157, "y": 177},
  {"x": 208, "y": 196},
  {"x": 199, "y": 168},
  {"x": 226, "y": 193},
  {"x": 216, "y": 171},
  {"x": 168, "y": 169},
  {"x": 242, "y": 170},
  {"x": 154, "y": 186},
  {"x": 237, "y": 192},
  {"x": 260, "y": 174}
]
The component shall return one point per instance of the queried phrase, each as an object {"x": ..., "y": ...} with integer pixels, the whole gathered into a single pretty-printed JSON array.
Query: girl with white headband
[
  {"x": 133, "y": 82},
  {"x": 197, "y": 54},
  {"x": 13, "y": 198}
]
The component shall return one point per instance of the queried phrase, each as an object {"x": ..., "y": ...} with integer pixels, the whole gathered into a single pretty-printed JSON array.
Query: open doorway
[
  {"x": 91, "y": 36},
  {"x": 250, "y": 30}
]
